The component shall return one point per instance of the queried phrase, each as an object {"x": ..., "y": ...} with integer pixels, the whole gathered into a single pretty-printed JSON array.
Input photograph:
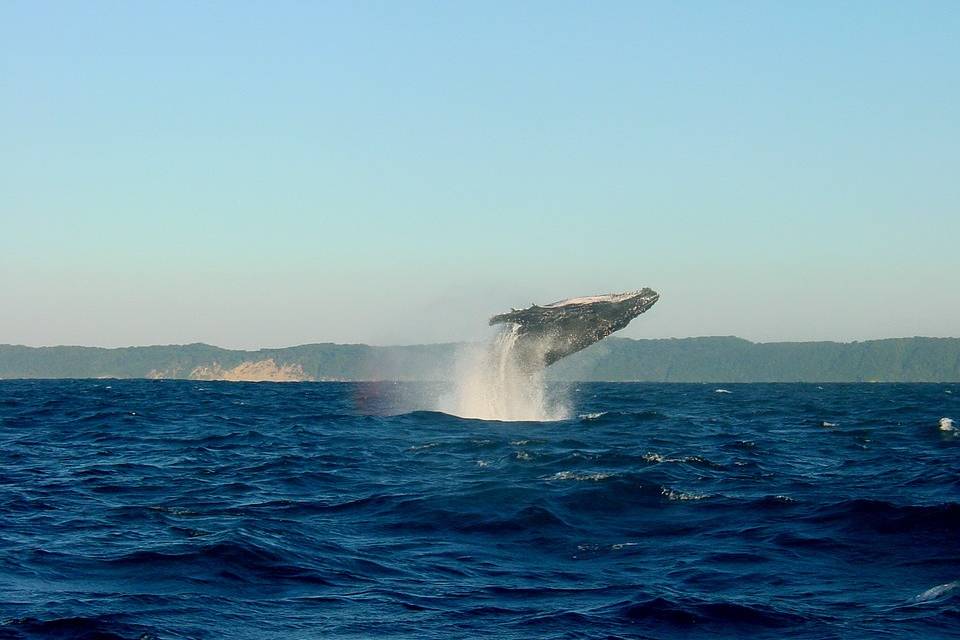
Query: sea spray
[{"x": 491, "y": 383}]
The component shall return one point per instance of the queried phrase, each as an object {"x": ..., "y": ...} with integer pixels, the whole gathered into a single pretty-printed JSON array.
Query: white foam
[
  {"x": 572, "y": 475},
  {"x": 722, "y": 391},
  {"x": 421, "y": 447},
  {"x": 828, "y": 424},
  {"x": 946, "y": 424},
  {"x": 491, "y": 384},
  {"x": 592, "y": 416},
  {"x": 935, "y": 592},
  {"x": 624, "y": 545},
  {"x": 672, "y": 494}
]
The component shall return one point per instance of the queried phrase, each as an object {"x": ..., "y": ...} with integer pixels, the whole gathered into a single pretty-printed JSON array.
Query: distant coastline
[{"x": 706, "y": 359}]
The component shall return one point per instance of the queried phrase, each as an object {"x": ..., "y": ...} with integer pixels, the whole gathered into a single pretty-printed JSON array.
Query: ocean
[{"x": 183, "y": 509}]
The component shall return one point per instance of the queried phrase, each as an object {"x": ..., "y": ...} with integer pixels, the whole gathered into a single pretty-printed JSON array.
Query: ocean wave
[
  {"x": 888, "y": 517},
  {"x": 681, "y": 496},
  {"x": 937, "y": 592},
  {"x": 620, "y": 416},
  {"x": 212, "y": 563},
  {"x": 105, "y": 627},
  {"x": 572, "y": 475},
  {"x": 262, "y": 511},
  {"x": 698, "y": 613},
  {"x": 592, "y": 416}
]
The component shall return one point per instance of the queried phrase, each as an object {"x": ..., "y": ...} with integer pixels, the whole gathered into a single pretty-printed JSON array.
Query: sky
[{"x": 253, "y": 174}]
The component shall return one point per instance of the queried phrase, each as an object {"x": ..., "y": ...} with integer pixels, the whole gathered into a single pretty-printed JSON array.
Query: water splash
[{"x": 491, "y": 383}]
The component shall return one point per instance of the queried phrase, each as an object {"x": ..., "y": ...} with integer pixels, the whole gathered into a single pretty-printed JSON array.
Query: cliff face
[
  {"x": 718, "y": 359},
  {"x": 260, "y": 371}
]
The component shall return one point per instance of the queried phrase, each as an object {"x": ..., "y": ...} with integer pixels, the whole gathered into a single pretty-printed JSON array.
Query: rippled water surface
[{"x": 176, "y": 509}]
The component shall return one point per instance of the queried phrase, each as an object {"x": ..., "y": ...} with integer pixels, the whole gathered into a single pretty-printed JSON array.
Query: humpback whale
[{"x": 547, "y": 333}]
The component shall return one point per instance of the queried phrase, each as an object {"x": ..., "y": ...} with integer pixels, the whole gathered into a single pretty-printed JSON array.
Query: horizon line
[{"x": 431, "y": 344}]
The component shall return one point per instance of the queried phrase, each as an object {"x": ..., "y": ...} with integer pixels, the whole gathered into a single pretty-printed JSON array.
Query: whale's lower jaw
[{"x": 545, "y": 334}]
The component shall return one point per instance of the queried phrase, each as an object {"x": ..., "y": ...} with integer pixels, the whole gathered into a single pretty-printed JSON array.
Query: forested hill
[
  {"x": 713, "y": 359},
  {"x": 728, "y": 359}
]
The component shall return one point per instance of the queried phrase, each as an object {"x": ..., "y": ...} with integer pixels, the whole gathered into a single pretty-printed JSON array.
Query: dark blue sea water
[{"x": 175, "y": 509}]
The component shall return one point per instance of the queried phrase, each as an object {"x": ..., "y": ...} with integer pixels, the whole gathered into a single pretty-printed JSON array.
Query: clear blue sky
[{"x": 265, "y": 174}]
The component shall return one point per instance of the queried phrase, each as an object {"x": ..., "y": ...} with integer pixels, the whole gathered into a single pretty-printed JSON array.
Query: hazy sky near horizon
[{"x": 266, "y": 174}]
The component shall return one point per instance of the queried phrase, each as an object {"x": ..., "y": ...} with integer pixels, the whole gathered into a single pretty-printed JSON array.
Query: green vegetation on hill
[
  {"x": 318, "y": 361},
  {"x": 728, "y": 359},
  {"x": 714, "y": 359}
]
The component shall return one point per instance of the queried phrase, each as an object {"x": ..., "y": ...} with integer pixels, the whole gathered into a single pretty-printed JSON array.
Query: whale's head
[
  {"x": 639, "y": 301},
  {"x": 620, "y": 308}
]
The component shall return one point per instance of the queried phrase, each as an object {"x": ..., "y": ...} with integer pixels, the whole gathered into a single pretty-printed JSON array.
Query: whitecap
[
  {"x": 174, "y": 511},
  {"x": 653, "y": 457},
  {"x": 672, "y": 494},
  {"x": 572, "y": 475},
  {"x": 722, "y": 391},
  {"x": 592, "y": 416},
  {"x": 523, "y": 455},
  {"x": 937, "y": 591},
  {"x": 624, "y": 545},
  {"x": 421, "y": 447},
  {"x": 828, "y": 424}
]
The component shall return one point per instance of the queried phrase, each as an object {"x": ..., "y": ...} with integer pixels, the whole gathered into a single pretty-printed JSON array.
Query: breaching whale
[{"x": 547, "y": 333}]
